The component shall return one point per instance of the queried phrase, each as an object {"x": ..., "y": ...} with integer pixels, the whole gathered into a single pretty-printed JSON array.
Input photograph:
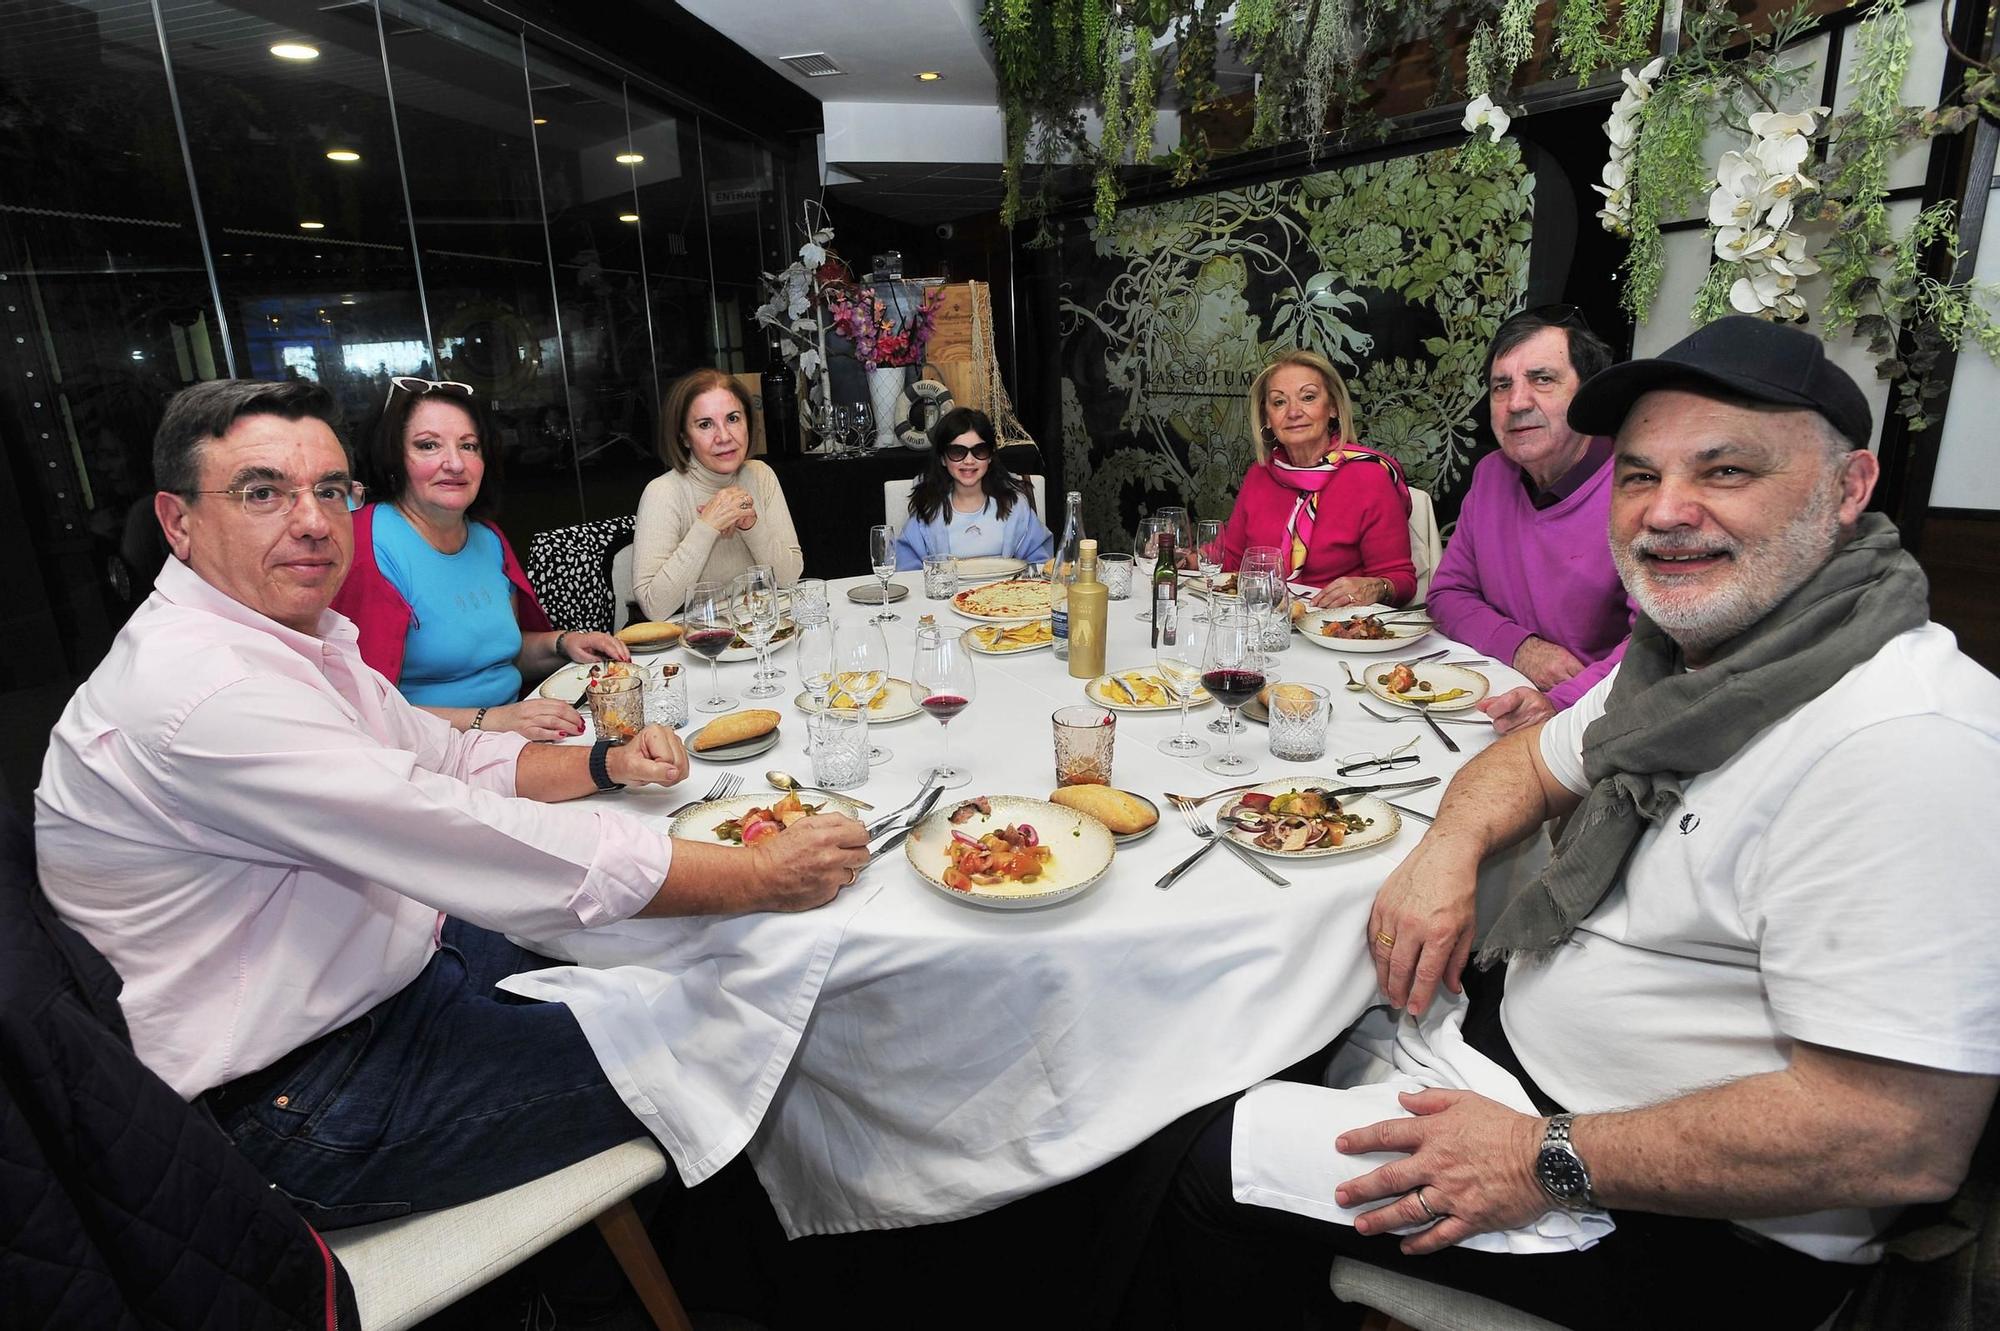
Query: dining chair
[
  {"x": 896, "y": 501},
  {"x": 405, "y": 1270},
  {"x": 1426, "y": 542}
]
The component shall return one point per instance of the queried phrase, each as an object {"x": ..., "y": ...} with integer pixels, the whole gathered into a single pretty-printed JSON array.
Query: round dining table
[{"x": 953, "y": 1057}]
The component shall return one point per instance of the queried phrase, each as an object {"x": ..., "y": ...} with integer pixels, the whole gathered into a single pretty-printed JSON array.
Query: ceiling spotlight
[
  {"x": 929, "y": 76},
  {"x": 630, "y": 159},
  {"x": 347, "y": 300},
  {"x": 295, "y": 51},
  {"x": 312, "y": 226},
  {"x": 342, "y": 155},
  {"x": 628, "y": 217},
  {"x": 541, "y": 120}
]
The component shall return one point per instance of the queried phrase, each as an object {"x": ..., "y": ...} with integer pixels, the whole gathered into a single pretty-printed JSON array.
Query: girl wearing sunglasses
[{"x": 967, "y": 503}]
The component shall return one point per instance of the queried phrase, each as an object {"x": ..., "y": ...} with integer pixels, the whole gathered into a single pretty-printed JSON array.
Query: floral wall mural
[{"x": 1397, "y": 271}]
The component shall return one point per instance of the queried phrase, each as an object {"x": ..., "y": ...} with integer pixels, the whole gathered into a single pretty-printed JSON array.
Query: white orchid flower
[
  {"x": 1782, "y": 156},
  {"x": 1481, "y": 112},
  {"x": 1735, "y": 242},
  {"x": 1778, "y": 124},
  {"x": 1623, "y": 133},
  {"x": 1653, "y": 67},
  {"x": 1615, "y": 174},
  {"x": 1760, "y": 292},
  {"x": 813, "y": 253}
]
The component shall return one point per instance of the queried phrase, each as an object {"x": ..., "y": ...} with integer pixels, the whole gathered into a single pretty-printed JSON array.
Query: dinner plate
[
  {"x": 870, "y": 593},
  {"x": 1384, "y": 822},
  {"x": 990, "y": 568},
  {"x": 1004, "y": 648},
  {"x": 787, "y": 633},
  {"x": 566, "y": 684},
  {"x": 1440, "y": 677},
  {"x": 736, "y": 753},
  {"x": 1127, "y": 838},
  {"x": 1106, "y": 694},
  {"x": 1082, "y": 849},
  {"x": 962, "y": 605},
  {"x": 699, "y": 822},
  {"x": 1401, "y": 633},
  {"x": 899, "y": 704}
]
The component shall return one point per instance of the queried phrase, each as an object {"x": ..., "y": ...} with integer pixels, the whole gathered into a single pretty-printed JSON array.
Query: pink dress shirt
[{"x": 261, "y": 834}]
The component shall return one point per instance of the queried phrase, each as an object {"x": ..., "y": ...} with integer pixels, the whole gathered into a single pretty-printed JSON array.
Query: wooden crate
[{"x": 951, "y": 350}]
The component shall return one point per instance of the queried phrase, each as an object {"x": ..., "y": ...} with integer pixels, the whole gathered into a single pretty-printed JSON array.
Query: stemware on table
[
  {"x": 707, "y": 630},
  {"x": 882, "y": 559},
  {"x": 1232, "y": 669},
  {"x": 1146, "y": 557},
  {"x": 1208, "y": 558},
  {"x": 944, "y": 687},
  {"x": 1180, "y": 660},
  {"x": 754, "y": 604},
  {"x": 861, "y": 669}
]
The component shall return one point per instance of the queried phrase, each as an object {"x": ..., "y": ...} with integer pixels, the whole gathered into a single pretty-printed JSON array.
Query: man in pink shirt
[
  {"x": 1528, "y": 577},
  {"x": 304, "y": 881}
]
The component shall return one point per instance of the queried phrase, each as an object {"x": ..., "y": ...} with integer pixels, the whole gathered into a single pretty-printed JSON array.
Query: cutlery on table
[
  {"x": 1421, "y": 783},
  {"x": 1196, "y": 801},
  {"x": 1172, "y": 875},
  {"x": 1424, "y": 710},
  {"x": 1203, "y": 831},
  {"x": 1417, "y": 814},
  {"x": 1353, "y": 685},
  {"x": 896, "y": 837},
  {"x": 1421, "y": 660},
  {"x": 785, "y": 781},
  {"x": 725, "y": 786},
  {"x": 929, "y": 790},
  {"x": 1448, "y": 720}
]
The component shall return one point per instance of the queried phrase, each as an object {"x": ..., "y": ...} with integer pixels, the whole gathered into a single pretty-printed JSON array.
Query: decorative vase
[{"x": 885, "y": 394}]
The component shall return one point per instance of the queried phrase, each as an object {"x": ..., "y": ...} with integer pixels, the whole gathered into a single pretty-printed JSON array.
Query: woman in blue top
[
  {"x": 443, "y": 608},
  {"x": 967, "y": 504}
]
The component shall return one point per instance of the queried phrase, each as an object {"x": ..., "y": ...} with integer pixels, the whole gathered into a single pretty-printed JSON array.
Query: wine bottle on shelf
[
  {"x": 1166, "y": 587},
  {"x": 1062, "y": 572},
  {"x": 1089, "y": 615},
  {"x": 780, "y": 388}
]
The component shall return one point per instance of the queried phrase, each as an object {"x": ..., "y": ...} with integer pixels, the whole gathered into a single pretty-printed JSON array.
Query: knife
[
  {"x": 926, "y": 797},
  {"x": 1424, "y": 710},
  {"x": 1243, "y": 853},
  {"x": 896, "y": 837},
  {"x": 1423, "y": 784}
]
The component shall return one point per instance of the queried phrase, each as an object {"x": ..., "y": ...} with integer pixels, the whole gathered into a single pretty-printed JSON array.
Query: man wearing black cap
[{"x": 1756, "y": 993}]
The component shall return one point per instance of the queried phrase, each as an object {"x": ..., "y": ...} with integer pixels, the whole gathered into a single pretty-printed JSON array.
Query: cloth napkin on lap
[{"x": 1283, "y": 1154}]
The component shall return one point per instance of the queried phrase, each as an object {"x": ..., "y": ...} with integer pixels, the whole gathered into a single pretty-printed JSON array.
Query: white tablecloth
[{"x": 957, "y": 1057}]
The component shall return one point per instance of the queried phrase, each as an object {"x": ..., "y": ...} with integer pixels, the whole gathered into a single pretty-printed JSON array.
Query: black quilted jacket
[{"x": 120, "y": 1205}]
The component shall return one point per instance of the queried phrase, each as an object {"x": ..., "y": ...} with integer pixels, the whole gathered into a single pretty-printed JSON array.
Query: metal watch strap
[
  {"x": 1560, "y": 1169},
  {"x": 479, "y": 719},
  {"x": 557, "y": 645},
  {"x": 599, "y": 771}
]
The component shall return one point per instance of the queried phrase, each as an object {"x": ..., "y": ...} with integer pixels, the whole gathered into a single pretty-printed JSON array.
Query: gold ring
[{"x": 1387, "y": 940}]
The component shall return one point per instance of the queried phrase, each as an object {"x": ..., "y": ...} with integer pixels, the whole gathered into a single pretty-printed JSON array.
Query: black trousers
[{"x": 1256, "y": 1266}]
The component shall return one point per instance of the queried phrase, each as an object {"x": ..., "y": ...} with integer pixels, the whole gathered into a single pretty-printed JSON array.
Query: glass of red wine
[
  {"x": 943, "y": 677},
  {"x": 1232, "y": 668},
  {"x": 707, "y": 627}
]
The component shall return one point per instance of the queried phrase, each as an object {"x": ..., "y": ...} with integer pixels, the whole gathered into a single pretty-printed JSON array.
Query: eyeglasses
[
  {"x": 1362, "y": 764},
  {"x": 264, "y": 500},
  {"x": 959, "y": 452},
  {"x": 410, "y": 383},
  {"x": 1555, "y": 316}
]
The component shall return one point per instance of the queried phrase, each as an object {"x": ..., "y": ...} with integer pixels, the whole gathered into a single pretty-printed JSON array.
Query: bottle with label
[
  {"x": 1089, "y": 615},
  {"x": 1166, "y": 582},
  {"x": 1062, "y": 572}
]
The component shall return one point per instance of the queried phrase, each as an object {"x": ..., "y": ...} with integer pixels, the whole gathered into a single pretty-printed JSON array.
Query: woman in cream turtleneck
[{"x": 718, "y": 511}]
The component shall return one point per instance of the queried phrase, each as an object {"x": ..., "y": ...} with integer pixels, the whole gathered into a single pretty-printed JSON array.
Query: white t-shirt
[{"x": 1833, "y": 883}]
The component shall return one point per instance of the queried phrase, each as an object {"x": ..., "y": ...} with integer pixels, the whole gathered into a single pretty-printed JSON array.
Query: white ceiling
[{"x": 882, "y": 44}]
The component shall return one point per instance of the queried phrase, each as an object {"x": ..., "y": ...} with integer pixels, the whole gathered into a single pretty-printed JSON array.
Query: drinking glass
[
  {"x": 707, "y": 630},
  {"x": 943, "y": 677},
  {"x": 1180, "y": 660},
  {"x": 1115, "y": 572},
  {"x": 1256, "y": 588},
  {"x": 666, "y": 697},
  {"x": 1232, "y": 668},
  {"x": 1183, "y": 529},
  {"x": 861, "y": 669},
  {"x": 837, "y": 744},
  {"x": 1208, "y": 558},
  {"x": 1085, "y": 737},
  {"x": 882, "y": 558},
  {"x": 754, "y": 604},
  {"x": 617, "y": 706},
  {"x": 1299, "y": 715},
  {"x": 809, "y": 603},
  {"x": 940, "y": 577},
  {"x": 860, "y": 428},
  {"x": 1146, "y": 557},
  {"x": 816, "y": 659}
]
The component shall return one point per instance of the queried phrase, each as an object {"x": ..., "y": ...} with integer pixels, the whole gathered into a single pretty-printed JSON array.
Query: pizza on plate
[{"x": 1014, "y": 598}]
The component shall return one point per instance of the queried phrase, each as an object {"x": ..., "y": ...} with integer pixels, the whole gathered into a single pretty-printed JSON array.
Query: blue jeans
[{"x": 446, "y": 1092}]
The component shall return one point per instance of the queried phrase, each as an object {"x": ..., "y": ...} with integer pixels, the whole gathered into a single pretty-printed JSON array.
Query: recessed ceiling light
[
  {"x": 312, "y": 226},
  {"x": 541, "y": 120},
  {"x": 630, "y": 159},
  {"x": 342, "y": 155},
  {"x": 295, "y": 51},
  {"x": 628, "y": 217},
  {"x": 347, "y": 300},
  {"x": 929, "y": 76}
]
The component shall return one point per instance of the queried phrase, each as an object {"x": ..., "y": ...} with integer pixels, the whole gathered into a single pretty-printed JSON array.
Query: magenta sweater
[
  {"x": 1363, "y": 527},
  {"x": 1512, "y": 571}
]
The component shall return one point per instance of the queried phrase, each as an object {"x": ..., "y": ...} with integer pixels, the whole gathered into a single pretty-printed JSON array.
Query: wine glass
[
  {"x": 1232, "y": 668},
  {"x": 1208, "y": 558},
  {"x": 1179, "y": 656},
  {"x": 882, "y": 558},
  {"x": 860, "y": 428},
  {"x": 1146, "y": 557},
  {"x": 816, "y": 658},
  {"x": 753, "y": 602},
  {"x": 707, "y": 630},
  {"x": 1183, "y": 529},
  {"x": 943, "y": 677},
  {"x": 861, "y": 670}
]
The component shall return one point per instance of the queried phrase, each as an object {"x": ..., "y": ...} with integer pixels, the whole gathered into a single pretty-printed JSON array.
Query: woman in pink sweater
[{"x": 1338, "y": 513}]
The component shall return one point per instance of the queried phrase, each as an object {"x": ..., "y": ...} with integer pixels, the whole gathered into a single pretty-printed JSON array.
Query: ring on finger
[
  {"x": 1419, "y": 1195},
  {"x": 1386, "y": 939}
]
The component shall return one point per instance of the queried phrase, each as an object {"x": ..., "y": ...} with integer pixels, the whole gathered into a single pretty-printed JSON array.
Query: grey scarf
[{"x": 1663, "y": 725}]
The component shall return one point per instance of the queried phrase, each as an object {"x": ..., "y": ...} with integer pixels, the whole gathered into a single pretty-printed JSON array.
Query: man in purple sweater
[{"x": 1528, "y": 577}]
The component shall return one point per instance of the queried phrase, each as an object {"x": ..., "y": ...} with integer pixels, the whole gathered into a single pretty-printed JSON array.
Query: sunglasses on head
[
  {"x": 410, "y": 383},
  {"x": 959, "y": 452},
  {"x": 1556, "y": 316}
]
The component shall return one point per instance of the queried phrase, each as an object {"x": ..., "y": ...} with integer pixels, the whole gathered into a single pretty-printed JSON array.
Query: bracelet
[
  {"x": 600, "y": 772},
  {"x": 479, "y": 719},
  {"x": 558, "y": 644}
]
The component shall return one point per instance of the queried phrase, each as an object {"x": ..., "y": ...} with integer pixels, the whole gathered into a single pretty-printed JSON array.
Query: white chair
[
  {"x": 621, "y": 587},
  {"x": 407, "y": 1269},
  {"x": 896, "y": 501},
  {"x": 1426, "y": 542}
]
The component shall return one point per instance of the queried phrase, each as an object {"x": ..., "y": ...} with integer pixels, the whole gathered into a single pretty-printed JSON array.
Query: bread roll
[
  {"x": 1284, "y": 693},
  {"x": 648, "y": 632},
  {"x": 734, "y": 728},
  {"x": 1123, "y": 813}
]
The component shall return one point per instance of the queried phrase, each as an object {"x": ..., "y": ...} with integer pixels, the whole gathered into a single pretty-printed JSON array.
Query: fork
[
  {"x": 725, "y": 785},
  {"x": 1205, "y": 832},
  {"x": 1196, "y": 801},
  {"x": 1448, "y": 720}
]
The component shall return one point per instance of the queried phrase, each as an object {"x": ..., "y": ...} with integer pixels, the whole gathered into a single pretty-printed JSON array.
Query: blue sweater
[{"x": 1020, "y": 535}]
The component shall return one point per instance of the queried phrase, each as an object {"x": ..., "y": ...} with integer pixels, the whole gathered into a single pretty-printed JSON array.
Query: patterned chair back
[{"x": 570, "y": 569}]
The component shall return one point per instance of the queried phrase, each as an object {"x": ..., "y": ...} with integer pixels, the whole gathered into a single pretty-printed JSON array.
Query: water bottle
[{"x": 1062, "y": 572}]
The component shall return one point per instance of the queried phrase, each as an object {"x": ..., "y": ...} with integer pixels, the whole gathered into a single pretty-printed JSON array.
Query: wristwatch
[
  {"x": 599, "y": 772},
  {"x": 1561, "y": 1171}
]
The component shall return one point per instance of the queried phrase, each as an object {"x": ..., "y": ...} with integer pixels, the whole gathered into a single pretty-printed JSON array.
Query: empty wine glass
[
  {"x": 860, "y": 428},
  {"x": 753, "y": 601},
  {"x": 882, "y": 558},
  {"x": 1208, "y": 558},
  {"x": 816, "y": 659},
  {"x": 1232, "y": 669},
  {"x": 1182, "y": 642},
  {"x": 707, "y": 630},
  {"x": 861, "y": 671},
  {"x": 1183, "y": 529},
  {"x": 943, "y": 676},
  {"x": 1146, "y": 557}
]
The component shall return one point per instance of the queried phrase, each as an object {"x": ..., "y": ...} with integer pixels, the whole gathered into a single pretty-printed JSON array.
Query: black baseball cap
[{"x": 1742, "y": 357}]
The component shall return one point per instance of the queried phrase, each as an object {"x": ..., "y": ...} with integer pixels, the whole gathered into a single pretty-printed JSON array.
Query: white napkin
[{"x": 1283, "y": 1156}]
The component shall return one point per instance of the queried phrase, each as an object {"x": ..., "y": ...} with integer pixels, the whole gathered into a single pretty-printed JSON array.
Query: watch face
[{"x": 1561, "y": 1174}]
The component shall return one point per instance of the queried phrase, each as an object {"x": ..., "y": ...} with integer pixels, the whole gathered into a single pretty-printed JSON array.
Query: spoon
[
  {"x": 786, "y": 781},
  {"x": 1353, "y": 685}
]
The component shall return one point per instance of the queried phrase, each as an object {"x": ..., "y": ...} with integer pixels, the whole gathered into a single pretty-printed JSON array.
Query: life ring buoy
[{"x": 923, "y": 404}]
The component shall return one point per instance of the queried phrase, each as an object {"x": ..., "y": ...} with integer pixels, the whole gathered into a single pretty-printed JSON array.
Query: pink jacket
[
  {"x": 1363, "y": 527},
  {"x": 383, "y": 616}
]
